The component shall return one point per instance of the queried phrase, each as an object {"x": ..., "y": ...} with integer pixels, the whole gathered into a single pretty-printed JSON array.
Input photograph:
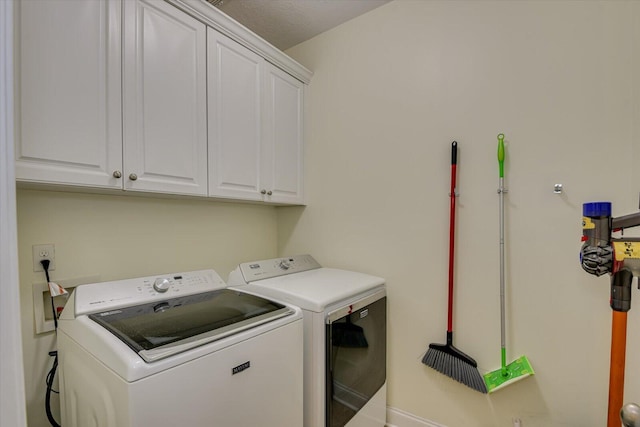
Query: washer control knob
[
  {"x": 284, "y": 264},
  {"x": 161, "y": 285}
]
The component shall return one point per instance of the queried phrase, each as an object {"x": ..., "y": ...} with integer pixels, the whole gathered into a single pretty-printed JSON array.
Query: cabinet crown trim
[{"x": 213, "y": 17}]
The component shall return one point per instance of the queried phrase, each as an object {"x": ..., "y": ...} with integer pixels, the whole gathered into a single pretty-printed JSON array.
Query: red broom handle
[
  {"x": 616, "y": 368},
  {"x": 452, "y": 223}
]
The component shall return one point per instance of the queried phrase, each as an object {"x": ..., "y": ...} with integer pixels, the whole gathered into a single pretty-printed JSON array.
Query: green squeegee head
[{"x": 515, "y": 371}]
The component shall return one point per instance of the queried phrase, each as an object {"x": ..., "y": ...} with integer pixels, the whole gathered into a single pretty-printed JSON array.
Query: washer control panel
[
  {"x": 121, "y": 293},
  {"x": 266, "y": 269}
]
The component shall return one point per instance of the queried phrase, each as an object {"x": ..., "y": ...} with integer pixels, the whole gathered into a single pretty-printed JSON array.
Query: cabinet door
[
  {"x": 283, "y": 156},
  {"x": 164, "y": 99},
  {"x": 235, "y": 120},
  {"x": 68, "y": 104}
]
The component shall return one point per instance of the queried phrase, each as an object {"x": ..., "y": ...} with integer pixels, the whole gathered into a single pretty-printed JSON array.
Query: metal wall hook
[{"x": 557, "y": 189}]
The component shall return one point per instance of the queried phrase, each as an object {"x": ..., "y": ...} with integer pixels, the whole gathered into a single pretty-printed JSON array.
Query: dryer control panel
[{"x": 266, "y": 269}]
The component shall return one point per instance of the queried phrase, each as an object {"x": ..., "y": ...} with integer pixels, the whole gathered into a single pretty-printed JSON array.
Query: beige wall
[
  {"x": 391, "y": 90},
  {"x": 112, "y": 237}
]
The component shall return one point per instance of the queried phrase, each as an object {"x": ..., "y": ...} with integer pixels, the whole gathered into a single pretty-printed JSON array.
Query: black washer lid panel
[{"x": 198, "y": 319}]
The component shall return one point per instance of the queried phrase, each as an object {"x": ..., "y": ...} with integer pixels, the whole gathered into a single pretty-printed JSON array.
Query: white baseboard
[{"x": 400, "y": 418}]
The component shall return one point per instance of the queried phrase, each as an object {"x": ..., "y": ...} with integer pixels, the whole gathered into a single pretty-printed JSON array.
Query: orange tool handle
[{"x": 616, "y": 369}]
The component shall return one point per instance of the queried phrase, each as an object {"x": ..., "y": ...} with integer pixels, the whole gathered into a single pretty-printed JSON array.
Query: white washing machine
[
  {"x": 345, "y": 323},
  {"x": 179, "y": 350}
]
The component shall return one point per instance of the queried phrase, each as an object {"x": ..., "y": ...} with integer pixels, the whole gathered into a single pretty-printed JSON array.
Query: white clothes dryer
[
  {"x": 178, "y": 350},
  {"x": 345, "y": 324}
]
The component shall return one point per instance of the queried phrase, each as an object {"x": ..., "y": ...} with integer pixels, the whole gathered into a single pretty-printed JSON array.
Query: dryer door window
[{"x": 356, "y": 360}]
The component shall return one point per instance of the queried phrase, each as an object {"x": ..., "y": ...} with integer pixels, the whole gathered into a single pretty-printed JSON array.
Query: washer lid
[
  {"x": 163, "y": 328},
  {"x": 315, "y": 289}
]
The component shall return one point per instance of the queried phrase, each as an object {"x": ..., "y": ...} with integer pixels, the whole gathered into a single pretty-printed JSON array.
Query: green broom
[{"x": 519, "y": 368}]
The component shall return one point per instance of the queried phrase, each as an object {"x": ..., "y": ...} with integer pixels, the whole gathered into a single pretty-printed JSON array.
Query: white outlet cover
[{"x": 37, "y": 256}]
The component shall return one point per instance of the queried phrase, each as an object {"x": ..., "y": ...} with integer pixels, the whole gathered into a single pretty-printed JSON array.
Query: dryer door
[{"x": 356, "y": 343}]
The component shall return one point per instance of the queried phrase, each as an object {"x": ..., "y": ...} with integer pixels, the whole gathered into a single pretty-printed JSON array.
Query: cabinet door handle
[
  {"x": 133, "y": 177},
  {"x": 117, "y": 174},
  {"x": 263, "y": 191},
  {"x": 269, "y": 193}
]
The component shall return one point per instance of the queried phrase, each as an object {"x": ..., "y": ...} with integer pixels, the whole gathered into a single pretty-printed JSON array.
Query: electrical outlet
[{"x": 40, "y": 252}]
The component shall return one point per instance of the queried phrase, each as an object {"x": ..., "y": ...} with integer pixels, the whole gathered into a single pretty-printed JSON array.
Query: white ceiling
[{"x": 285, "y": 23}]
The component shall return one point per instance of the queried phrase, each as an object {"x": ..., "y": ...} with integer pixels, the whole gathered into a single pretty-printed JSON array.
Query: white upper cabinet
[
  {"x": 164, "y": 99},
  {"x": 68, "y": 105},
  {"x": 155, "y": 96},
  {"x": 282, "y": 154},
  {"x": 255, "y": 126},
  {"x": 235, "y": 76}
]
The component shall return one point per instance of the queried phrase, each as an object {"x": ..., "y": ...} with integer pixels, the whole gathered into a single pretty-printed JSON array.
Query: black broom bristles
[{"x": 450, "y": 361}]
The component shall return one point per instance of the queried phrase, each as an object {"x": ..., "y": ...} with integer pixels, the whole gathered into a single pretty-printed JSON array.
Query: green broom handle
[
  {"x": 501, "y": 192},
  {"x": 501, "y": 154}
]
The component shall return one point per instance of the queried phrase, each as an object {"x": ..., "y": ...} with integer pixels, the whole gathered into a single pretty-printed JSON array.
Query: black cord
[
  {"x": 52, "y": 372},
  {"x": 50, "y": 376},
  {"x": 45, "y": 265}
]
